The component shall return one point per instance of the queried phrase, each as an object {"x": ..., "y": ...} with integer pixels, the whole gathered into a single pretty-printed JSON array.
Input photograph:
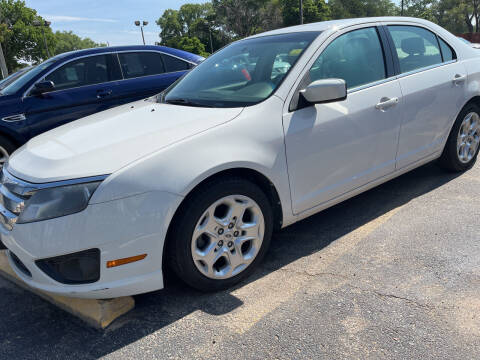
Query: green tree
[
  {"x": 450, "y": 15},
  {"x": 313, "y": 11},
  {"x": 20, "y": 39},
  {"x": 342, "y": 9},
  {"x": 470, "y": 11},
  {"x": 242, "y": 18},
  {"x": 457, "y": 16},
  {"x": 68, "y": 41},
  {"x": 424, "y": 9},
  {"x": 193, "y": 22},
  {"x": 273, "y": 15},
  {"x": 193, "y": 45}
]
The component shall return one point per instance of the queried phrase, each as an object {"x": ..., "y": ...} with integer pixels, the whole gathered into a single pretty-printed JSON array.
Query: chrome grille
[{"x": 13, "y": 195}]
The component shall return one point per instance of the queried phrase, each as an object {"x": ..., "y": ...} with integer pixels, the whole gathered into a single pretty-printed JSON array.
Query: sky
[{"x": 107, "y": 21}]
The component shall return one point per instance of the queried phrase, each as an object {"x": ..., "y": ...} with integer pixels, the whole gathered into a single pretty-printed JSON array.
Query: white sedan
[{"x": 198, "y": 178}]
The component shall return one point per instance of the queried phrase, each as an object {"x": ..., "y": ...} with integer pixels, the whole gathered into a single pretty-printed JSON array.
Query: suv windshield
[
  {"x": 242, "y": 74},
  {"x": 25, "y": 78}
]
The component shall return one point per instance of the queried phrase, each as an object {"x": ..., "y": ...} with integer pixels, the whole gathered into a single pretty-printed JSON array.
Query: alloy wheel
[
  {"x": 468, "y": 137},
  {"x": 228, "y": 237}
]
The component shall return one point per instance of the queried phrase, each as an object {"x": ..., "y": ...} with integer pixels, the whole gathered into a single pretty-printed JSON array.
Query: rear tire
[
  {"x": 461, "y": 150},
  {"x": 221, "y": 234}
]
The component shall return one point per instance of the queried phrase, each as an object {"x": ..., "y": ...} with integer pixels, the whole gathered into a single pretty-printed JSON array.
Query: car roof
[
  {"x": 107, "y": 49},
  {"x": 340, "y": 24}
]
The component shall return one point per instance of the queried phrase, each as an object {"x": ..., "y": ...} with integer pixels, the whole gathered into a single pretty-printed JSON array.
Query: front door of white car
[
  {"x": 336, "y": 147},
  {"x": 432, "y": 82}
]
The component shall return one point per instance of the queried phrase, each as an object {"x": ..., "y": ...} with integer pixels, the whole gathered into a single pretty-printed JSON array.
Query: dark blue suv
[{"x": 76, "y": 84}]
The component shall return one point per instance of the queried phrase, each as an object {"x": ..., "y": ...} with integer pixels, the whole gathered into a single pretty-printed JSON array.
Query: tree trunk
[
  {"x": 468, "y": 21},
  {"x": 475, "y": 14}
]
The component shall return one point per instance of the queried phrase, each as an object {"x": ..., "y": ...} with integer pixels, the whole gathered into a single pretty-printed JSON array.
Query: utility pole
[
  {"x": 402, "y": 8},
  {"x": 301, "y": 12},
  {"x": 45, "y": 41},
  {"x": 43, "y": 25},
  {"x": 209, "y": 26},
  {"x": 3, "y": 65},
  {"x": 142, "y": 24},
  {"x": 211, "y": 42}
]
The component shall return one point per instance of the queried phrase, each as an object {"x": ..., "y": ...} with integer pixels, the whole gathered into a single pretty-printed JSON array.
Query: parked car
[
  {"x": 12, "y": 77},
  {"x": 198, "y": 178},
  {"x": 474, "y": 45},
  {"x": 80, "y": 83}
]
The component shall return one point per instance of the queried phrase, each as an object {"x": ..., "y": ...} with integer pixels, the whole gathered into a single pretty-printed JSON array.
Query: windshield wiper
[{"x": 186, "y": 102}]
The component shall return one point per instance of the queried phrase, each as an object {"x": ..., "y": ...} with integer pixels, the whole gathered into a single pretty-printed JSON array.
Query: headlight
[{"x": 58, "y": 201}]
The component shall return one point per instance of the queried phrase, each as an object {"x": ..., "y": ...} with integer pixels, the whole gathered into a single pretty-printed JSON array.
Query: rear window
[
  {"x": 416, "y": 47},
  {"x": 447, "y": 52},
  {"x": 174, "y": 64},
  {"x": 138, "y": 64}
]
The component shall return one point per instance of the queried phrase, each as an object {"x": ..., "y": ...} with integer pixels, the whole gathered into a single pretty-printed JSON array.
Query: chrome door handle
[
  {"x": 386, "y": 103},
  {"x": 459, "y": 79}
]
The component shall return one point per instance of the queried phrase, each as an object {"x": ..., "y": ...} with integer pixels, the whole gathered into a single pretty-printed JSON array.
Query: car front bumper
[{"x": 119, "y": 229}]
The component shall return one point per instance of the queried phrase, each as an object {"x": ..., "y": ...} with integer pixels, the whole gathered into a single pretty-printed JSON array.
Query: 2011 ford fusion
[{"x": 198, "y": 178}]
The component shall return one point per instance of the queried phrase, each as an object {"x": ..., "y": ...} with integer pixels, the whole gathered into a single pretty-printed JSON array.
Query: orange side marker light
[{"x": 124, "y": 261}]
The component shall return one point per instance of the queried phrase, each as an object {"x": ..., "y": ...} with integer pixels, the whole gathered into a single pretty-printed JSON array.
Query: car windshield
[
  {"x": 242, "y": 74},
  {"x": 12, "y": 77},
  {"x": 25, "y": 78}
]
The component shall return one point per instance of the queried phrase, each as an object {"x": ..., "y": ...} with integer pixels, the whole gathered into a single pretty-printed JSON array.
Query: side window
[
  {"x": 174, "y": 64},
  {"x": 356, "y": 57},
  {"x": 447, "y": 52},
  {"x": 137, "y": 64},
  {"x": 85, "y": 71},
  {"x": 416, "y": 47}
]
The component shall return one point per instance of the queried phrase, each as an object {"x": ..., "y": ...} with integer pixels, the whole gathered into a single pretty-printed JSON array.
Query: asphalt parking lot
[{"x": 392, "y": 273}]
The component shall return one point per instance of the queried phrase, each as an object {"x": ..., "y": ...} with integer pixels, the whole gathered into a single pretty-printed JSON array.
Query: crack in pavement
[{"x": 373, "y": 291}]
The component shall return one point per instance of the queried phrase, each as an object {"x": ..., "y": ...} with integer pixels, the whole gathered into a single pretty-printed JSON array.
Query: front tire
[
  {"x": 221, "y": 234},
  {"x": 461, "y": 150},
  {"x": 6, "y": 149}
]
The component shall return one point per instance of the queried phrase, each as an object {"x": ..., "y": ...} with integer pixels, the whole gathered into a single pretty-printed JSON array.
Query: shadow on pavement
[{"x": 32, "y": 328}]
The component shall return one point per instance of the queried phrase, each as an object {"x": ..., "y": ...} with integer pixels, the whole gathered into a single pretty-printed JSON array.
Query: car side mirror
[
  {"x": 325, "y": 91},
  {"x": 42, "y": 87}
]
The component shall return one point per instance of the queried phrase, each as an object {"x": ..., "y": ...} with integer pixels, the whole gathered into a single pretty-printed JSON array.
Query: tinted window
[
  {"x": 356, "y": 57},
  {"x": 416, "y": 47},
  {"x": 447, "y": 52},
  {"x": 23, "y": 80},
  {"x": 137, "y": 64},
  {"x": 241, "y": 74},
  {"x": 173, "y": 64},
  {"x": 10, "y": 79},
  {"x": 85, "y": 71}
]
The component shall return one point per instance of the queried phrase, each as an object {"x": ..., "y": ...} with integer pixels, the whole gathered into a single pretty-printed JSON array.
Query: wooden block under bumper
[{"x": 97, "y": 313}]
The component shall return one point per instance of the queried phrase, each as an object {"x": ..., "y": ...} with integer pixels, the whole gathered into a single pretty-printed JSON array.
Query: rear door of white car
[
  {"x": 433, "y": 86},
  {"x": 334, "y": 148}
]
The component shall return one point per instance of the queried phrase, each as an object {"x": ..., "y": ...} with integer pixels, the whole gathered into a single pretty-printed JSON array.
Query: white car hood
[{"x": 103, "y": 143}]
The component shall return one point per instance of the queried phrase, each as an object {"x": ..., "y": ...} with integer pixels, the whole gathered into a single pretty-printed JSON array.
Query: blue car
[{"x": 72, "y": 85}]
